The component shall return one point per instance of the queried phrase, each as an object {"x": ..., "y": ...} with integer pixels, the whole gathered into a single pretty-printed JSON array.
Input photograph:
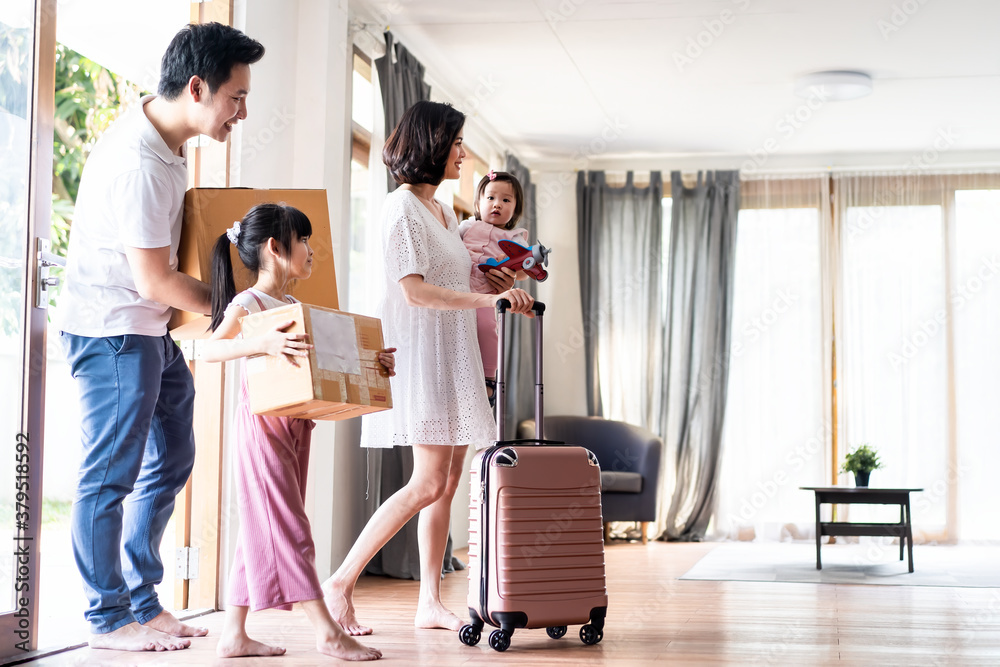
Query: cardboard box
[
  {"x": 209, "y": 212},
  {"x": 341, "y": 378}
]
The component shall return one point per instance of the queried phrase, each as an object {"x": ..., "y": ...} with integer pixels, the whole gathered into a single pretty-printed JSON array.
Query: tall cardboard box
[
  {"x": 209, "y": 212},
  {"x": 341, "y": 378}
]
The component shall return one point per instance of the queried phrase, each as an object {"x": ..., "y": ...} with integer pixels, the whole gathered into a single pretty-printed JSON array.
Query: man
[{"x": 136, "y": 392}]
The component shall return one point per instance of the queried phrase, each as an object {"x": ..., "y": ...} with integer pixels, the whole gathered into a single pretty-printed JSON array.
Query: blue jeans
[{"x": 137, "y": 405}]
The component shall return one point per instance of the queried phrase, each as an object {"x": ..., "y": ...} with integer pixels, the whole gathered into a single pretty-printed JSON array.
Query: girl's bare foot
[
  {"x": 436, "y": 616},
  {"x": 166, "y": 622},
  {"x": 346, "y": 648},
  {"x": 135, "y": 637},
  {"x": 341, "y": 608},
  {"x": 240, "y": 646}
]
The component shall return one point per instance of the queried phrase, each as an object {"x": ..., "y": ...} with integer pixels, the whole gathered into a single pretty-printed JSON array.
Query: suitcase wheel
[
  {"x": 469, "y": 635},
  {"x": 499, "y": 640},
  {"x": 557, "y": 631},
  {"x": 590, "y": 635}
]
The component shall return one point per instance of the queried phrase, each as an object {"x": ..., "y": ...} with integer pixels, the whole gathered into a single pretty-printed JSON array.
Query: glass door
[{"x": 26, "y": 28}]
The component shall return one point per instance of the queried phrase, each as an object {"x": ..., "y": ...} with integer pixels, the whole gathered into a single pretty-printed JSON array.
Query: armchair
[{"x": 629, "y": 458}]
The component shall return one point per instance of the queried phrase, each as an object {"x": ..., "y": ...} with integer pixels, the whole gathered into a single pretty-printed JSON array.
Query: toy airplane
[{"x": 530, "y": 260}]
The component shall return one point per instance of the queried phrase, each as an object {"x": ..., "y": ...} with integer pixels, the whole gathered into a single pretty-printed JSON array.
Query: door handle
[{"x": 45, "y": 260}]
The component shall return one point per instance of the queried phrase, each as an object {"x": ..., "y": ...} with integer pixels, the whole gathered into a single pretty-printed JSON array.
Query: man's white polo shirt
[{"x": 131, "y": 195}]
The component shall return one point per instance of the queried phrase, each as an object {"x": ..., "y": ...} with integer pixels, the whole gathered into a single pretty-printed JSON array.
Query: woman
[{"x": 440, "y": 404}]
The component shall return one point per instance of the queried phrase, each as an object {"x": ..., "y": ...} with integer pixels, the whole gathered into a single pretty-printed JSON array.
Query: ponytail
[{"x": 223, "y": 284}]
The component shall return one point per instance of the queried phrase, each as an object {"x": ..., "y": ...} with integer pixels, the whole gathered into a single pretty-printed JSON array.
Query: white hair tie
[{"x": 234, "y": 232}]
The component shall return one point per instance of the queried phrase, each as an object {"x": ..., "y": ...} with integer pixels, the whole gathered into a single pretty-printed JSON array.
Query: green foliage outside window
[{"x": 88, "y": 99}]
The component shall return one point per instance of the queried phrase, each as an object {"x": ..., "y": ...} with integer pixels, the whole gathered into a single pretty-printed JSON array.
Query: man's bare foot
[
  {"x": 436, "y": 616},
  {"x": 135, "y": 637},
  {"x": 341, "y": 608},
  {"x": 237, "y": 647},
  {"x": 346, "y": 648},
  {"x": 166, "y": 622}
]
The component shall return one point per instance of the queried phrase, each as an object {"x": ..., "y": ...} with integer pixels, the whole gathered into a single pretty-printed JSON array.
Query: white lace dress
[{"x": 438, "y": 393}]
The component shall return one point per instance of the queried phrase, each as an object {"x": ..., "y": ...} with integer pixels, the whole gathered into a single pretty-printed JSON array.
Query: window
[
  {"x": 975, "y": 297},
  {"x": 364, "y": 280},
  {"x": 895, "y": 351},
  {"x": 908, "y": 264},
  {"x": 775, "y": 428}
]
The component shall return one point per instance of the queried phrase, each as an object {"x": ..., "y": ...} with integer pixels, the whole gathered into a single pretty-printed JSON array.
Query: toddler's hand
[{"x": 388, "y": 361}]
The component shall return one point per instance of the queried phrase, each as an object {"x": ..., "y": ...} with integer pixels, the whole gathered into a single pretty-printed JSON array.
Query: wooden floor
[{"x": 654, "y": 619}]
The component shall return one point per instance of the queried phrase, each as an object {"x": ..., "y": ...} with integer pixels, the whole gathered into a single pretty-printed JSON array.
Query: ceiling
[{"x": 592, "y": 80}]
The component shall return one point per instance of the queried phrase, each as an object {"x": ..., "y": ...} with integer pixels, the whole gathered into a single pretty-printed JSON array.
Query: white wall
[{"x": 564, "y": 371}]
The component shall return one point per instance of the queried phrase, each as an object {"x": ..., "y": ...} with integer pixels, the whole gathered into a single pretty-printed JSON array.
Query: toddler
[{"x": 498, "y": 206}]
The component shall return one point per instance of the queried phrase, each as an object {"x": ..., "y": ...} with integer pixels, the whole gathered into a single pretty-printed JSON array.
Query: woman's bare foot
[
  {"x": 135, "y": 637},
  {"x": 346, "y": 648},
  {"x": 436, "y": 616},
  {"x": 166, "y": 622},
  {"x": 341, "y": 607},
  {"x": 240, "y": 646}
]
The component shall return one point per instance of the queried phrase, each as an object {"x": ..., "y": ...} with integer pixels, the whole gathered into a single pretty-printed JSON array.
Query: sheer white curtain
[
  {"x": 918, "y": 327},
  {"x": 975, "y": 296},
  {"x": 777, "y": 428},
  {"x": 894, "y": 347}
]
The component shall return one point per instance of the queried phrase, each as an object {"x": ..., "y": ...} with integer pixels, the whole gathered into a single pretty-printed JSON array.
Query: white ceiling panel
[{"x": 562, "y": 72}]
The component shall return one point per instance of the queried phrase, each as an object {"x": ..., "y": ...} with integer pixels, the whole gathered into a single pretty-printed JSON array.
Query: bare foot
[
  {"x": 436, "y": 616},
  {"x": 346, "y": 648},
  {"x": 341, "y": 608},
  {"x": 166, "y": 622},
  {"x": 135, "y": 637},
  {"x": 240, "y": 646}
]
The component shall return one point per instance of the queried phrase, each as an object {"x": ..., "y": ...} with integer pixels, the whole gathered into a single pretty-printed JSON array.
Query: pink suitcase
[{"x": 536, "y": 542}]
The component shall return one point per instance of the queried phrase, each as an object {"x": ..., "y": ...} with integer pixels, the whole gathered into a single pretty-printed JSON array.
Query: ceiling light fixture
[{"x": 835, "y": 85}]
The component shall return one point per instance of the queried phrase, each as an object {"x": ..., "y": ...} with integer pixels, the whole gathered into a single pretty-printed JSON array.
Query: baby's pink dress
[{"x": 481, "y": 239}]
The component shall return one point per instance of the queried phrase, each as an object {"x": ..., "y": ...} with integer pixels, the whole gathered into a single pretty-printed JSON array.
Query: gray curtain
[
  {"x": 520, "y": 341},
  {"x": 699, "y": 320},
  {"x": 620, "y": 234},
  {"x": 402, "y": 82}
]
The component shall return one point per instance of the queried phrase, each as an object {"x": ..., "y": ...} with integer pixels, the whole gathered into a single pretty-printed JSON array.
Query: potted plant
[{"x": 861, "y": 462}]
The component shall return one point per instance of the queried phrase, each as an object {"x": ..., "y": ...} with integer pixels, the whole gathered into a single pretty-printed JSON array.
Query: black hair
[
  {"x": 417, "y": 150},
  {"x": 502, "y": 177},
  {"x": 208, "y": 51},
  {"x": 283, "y": 223}
]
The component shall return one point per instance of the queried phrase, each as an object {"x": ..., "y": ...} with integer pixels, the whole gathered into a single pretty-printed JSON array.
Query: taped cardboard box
[
  {"x": 341, "y": 378},
  {"x": 209, "y": 212}
]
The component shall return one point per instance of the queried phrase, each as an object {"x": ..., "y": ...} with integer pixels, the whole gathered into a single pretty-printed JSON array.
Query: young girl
[
  {"x": 498, "y": 205},
  {"x": 274, "y": 564}
]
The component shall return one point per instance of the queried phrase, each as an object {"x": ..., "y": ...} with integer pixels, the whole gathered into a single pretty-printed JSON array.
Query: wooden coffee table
[{"x": 850, "y": 495}]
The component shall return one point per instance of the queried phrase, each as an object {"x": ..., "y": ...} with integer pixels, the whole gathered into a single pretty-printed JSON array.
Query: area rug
[{"x": 961, "y": 566}]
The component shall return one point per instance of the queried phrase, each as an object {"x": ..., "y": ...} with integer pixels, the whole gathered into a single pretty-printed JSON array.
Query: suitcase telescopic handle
[{"x": 502, "y": 306}]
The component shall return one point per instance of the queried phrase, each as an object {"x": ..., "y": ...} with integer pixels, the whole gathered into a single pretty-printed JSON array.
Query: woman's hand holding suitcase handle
[{"x": 503, "y": 305}]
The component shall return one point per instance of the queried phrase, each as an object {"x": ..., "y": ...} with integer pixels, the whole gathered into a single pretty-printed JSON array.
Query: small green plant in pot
[{"x": 861, "y": 462}]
